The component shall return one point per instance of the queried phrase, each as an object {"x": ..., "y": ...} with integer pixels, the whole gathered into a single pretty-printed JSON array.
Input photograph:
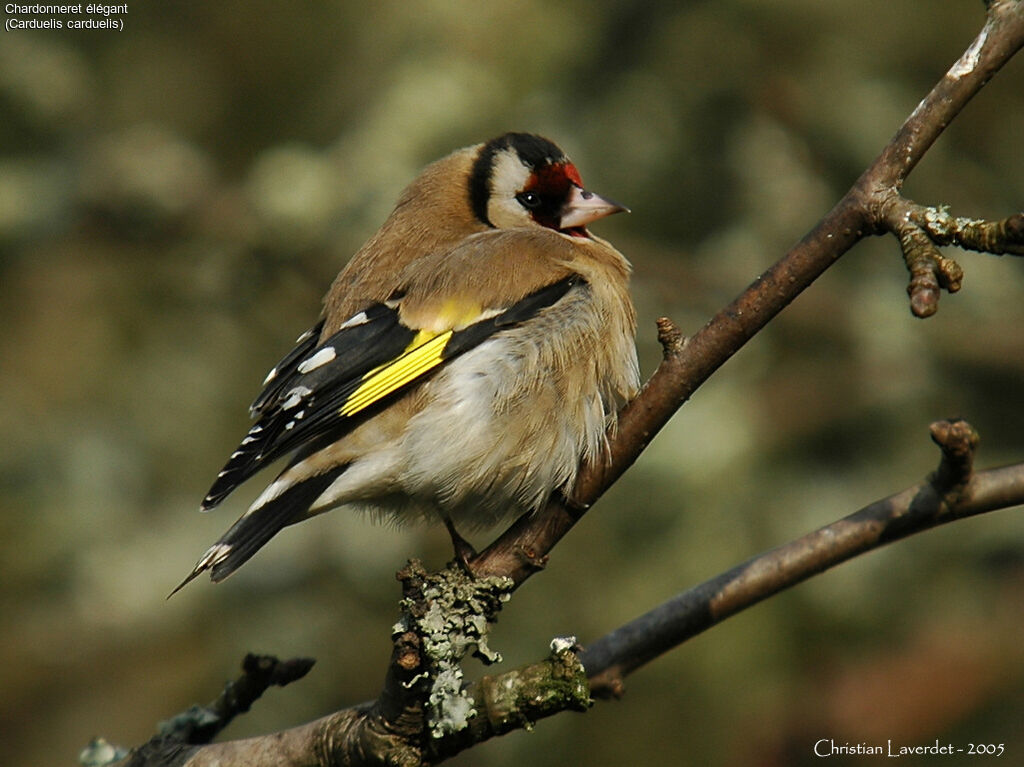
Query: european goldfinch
[{"x": 469, "y": 357}]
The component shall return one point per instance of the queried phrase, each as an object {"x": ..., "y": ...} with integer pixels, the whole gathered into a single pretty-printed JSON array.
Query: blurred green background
[{"x": 175, "y": 199}]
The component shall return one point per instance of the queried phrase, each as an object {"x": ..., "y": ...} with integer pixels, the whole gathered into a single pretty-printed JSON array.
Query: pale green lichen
[
  {"x": 100, "y": 753},
  {"x": 457, "y": 616},
  {"x": 516, "y": 699}
]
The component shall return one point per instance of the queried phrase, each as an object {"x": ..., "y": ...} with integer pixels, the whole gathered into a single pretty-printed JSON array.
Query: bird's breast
[{"x": 509, "y": 421}]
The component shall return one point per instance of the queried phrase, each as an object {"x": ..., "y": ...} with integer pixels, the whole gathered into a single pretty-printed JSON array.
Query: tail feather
[{"x": 259, "y": 525}]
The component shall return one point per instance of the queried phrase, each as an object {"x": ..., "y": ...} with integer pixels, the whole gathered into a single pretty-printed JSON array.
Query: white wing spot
[
  {"x": 270, "y": 376},
  {"x": 322, "y": 357},
  {"x": 295, "y": 396},
  {"x": 355, "y": 319}
]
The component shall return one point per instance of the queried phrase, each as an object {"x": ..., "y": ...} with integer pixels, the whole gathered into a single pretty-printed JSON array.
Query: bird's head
[{"x": 520, "y": 179}]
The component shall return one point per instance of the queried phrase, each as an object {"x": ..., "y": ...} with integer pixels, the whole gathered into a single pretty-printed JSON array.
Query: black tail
[{"x": 256, "y": 527}]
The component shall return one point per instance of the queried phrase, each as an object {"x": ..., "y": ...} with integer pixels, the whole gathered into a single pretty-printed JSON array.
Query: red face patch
[
  {"x": 550, "y": 187},
  {"x": 573, "y": 174},
  {"x": 554, "y": 181}
]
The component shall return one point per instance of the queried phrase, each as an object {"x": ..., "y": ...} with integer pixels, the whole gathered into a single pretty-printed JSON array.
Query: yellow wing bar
[{"x": 422, "y": 356}]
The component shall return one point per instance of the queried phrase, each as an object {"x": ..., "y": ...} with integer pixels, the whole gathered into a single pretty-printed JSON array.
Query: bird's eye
[{"x": 530, "y": 200}]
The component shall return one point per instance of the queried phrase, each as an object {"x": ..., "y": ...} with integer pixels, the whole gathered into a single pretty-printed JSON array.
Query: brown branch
[
  {"x": 179, "y": 736},
  {"x": 361, "y": 736},
  {"x": 921, "y": 229},
  {"x": 950, "y": 493},
  {"x": 872, "y": 206},
  {"x": 999, "y": 238},
  {"x": 392, "y": 730}
]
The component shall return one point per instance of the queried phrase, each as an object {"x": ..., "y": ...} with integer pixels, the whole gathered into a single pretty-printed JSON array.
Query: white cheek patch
[{"x": 508, "y": 178}]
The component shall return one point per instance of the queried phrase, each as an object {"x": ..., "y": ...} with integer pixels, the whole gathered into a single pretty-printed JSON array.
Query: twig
[
  {"x": 872, "y": 206},
  {"x": 179, "y": 736},
  {"x": 952, "y": 492},
  {"x": 364, "y": 735},
  {"x": 383, "y": 733}
]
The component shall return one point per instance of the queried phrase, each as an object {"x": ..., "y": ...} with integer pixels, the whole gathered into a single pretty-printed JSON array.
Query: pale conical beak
[{"x": 584, "y": 207}]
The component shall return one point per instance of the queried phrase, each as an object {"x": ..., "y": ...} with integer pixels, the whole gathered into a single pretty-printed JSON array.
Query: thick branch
[
  {"x": 687, "y": 363},
  {"x": 361, "y": 736},
  {"x": 870, "y": 207},
  {"x": 952, "y": 492}
]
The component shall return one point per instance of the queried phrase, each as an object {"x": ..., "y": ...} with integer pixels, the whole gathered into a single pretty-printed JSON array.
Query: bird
[{"x": 467, "y": 359}]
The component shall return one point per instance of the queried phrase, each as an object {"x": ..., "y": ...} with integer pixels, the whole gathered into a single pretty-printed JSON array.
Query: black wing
[
  {"x": 303, "y": 388},
  {"x": 318, "y": 389}
]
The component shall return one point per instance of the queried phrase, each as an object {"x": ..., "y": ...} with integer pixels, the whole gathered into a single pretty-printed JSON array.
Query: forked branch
[
  {"x": 953, "y": 491},
  {"x": 873, "y": 205},
  {"x": 393, "y": 730}
]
